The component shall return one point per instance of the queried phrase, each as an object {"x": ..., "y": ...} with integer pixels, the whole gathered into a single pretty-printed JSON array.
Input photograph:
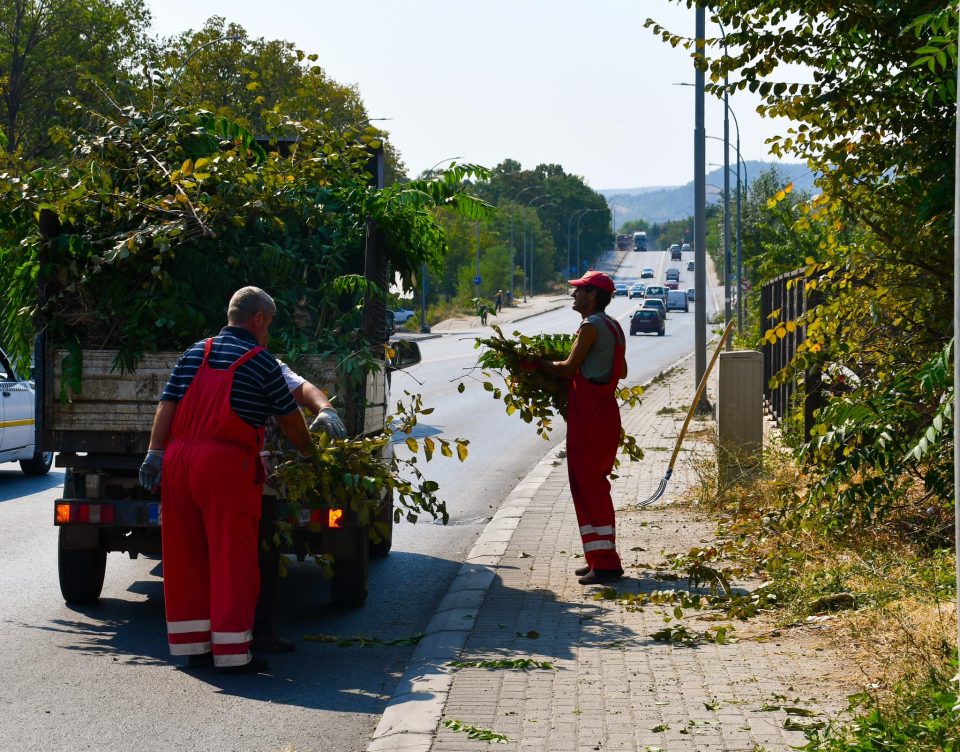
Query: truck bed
[{"x": 113, "y": 412}]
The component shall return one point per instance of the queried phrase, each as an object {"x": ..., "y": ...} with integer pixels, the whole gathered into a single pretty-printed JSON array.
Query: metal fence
[{"x": 787, "y": 297}]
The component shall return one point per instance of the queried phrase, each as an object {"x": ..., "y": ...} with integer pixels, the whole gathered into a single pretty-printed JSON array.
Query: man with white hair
[{"x": 204, "y": 454}]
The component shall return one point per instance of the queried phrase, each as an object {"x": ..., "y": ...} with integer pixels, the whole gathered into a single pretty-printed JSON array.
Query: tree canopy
[
  {"x": 877, "y": 122},
  {"x": 50, "y": 49}
]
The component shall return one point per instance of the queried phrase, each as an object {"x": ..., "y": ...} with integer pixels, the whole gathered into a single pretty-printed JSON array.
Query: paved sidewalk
[{"x": 614, "y": 687}]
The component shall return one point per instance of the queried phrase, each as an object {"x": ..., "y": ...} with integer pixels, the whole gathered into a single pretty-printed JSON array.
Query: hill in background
[{"x": 665, "y": 203}]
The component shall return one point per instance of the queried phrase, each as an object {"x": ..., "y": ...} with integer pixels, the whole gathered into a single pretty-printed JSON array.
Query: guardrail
[{"x": 787, "y": 297}]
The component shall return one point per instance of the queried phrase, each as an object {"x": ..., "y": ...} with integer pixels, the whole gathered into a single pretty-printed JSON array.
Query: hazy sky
[{"x": 581, "y": 84}]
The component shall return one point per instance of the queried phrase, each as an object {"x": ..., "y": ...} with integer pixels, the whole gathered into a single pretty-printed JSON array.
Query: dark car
[
  {"x": 637, "y": 290},
  {"x": 621, "y": 289},
  {"x": 655, "y": 304},
  {"x": 646, "y": 320},
  {"x": 691, "y": 293}
]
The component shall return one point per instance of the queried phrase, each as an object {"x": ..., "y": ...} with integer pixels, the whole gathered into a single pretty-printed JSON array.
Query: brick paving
[{"x": 614, "y": 687}]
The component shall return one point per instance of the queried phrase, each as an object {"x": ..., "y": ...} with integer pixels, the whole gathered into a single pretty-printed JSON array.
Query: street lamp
[
  {"x": 575, "y": 213},
  {"x": 585, "y": 213},
  {"x": 532, "y": 239},
  {"x": 513, "y": 249},
  {"x": 524, "y": 232}
]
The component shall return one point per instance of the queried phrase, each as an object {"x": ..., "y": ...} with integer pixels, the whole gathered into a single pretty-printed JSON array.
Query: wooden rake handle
[{"x": 696, "y": 398}]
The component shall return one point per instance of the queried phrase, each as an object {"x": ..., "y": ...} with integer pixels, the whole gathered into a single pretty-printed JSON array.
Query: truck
[
  {"x": 639, "y": 241},
  {"x": 623, "y": 242},
  {"x": 101, "y": 432}
]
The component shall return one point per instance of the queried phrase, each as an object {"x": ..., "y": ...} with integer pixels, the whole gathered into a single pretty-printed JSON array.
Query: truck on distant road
[{"x": 639, "y": 241}]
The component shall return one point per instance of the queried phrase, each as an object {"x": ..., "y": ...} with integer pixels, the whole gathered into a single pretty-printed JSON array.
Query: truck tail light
[
  {"x": 66, "y": 513},
  {"x": 322, "y": 518}
]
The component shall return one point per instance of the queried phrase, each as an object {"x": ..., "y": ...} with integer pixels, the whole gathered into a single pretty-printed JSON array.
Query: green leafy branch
[{"x": 475, "y": 732}]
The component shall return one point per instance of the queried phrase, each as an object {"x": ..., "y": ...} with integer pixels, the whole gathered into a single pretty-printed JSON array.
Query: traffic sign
[{"x": 477, "y": 280}]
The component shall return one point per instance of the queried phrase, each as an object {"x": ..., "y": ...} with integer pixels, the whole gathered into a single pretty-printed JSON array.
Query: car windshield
[{"x": 644, "y": 314}]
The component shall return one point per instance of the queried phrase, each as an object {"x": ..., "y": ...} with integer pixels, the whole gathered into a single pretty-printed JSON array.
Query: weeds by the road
[{"x": 887, "y": 589}]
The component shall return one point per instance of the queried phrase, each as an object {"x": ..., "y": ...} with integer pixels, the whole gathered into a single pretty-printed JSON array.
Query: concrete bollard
[{"x": 739, "y": 415}]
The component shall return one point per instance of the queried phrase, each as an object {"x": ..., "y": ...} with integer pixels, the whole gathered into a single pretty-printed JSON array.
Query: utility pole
[
  {"x": 726, "y": 202},
  {"x": 956, "y": 360},
  {"x": 700, "y": 208},
  {"x": 476, "y": 279}
]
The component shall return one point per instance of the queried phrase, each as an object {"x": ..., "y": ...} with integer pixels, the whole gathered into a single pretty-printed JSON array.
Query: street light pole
[
  {"x": 532, "y": 239},
  {"x": 585, "y": 213},
  {"x": 513, "y": 248},
  {"x": 575, "y": 213},
  {"x": 699, "y": 203},
  {"x": 524, "y": 232},
  {"x": 726, "y": 195}
]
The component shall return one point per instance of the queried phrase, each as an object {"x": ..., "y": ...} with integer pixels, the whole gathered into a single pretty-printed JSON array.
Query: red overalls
[
  {"x": 210, "y": 495},
  {"x": 593, "y": 437}
]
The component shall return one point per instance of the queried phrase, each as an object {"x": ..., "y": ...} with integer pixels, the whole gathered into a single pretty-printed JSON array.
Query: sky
[{"x": 580, "y": 84}]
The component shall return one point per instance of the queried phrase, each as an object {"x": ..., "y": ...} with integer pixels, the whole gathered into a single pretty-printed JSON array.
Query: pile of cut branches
[{"x": 533, "y": 393}]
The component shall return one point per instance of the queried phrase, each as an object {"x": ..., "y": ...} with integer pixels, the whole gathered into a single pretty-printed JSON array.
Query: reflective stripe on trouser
[
  {"x": 594, "y": 506},
  {"x": 211, "y": 512}
]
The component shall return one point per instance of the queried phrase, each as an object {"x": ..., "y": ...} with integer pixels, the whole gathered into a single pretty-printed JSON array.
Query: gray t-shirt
[{"x": 599, "y": 361}]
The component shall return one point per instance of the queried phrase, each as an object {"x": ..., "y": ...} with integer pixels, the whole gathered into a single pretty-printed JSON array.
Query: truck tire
[
  {"x": 380, "y": 549},
  {"x": 348, "y": 587},
  {"x": 81, "y": 572},
  {"x": 39, "y": 464}
]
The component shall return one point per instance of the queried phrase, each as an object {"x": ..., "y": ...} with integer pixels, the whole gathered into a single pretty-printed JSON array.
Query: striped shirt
[{"x": 259, "y": 389}]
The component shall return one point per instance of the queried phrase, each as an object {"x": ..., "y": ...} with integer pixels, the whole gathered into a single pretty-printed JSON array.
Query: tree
[
  {"x": 220, "y": 67},
  {"x": 568, "y": 194},
  {"x": 50, "y": 49},
  {"x": 880, "y": 228}
]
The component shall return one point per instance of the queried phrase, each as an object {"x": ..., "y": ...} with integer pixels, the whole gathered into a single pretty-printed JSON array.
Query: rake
[{"x": 661, "y": 489}]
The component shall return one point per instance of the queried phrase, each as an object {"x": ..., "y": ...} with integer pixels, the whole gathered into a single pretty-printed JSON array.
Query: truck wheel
[
  {"x": 348, "y": 587},
  {"x": 81, "y": 572},
  {"x": 39, "y": 464}
]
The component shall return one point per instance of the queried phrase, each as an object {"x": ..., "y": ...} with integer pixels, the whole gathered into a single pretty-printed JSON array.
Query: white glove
[
  {"x": 329, "y": 420},
  {"x": 151, "y": 470}
]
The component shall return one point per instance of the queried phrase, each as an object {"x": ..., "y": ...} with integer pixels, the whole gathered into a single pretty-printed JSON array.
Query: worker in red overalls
[
  {"x": 204, "y": 455},
  {"x": 595, "y": 365}
]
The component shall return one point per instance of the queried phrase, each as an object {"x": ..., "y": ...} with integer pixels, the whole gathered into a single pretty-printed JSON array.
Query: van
[{"x": 677, "y": 301}]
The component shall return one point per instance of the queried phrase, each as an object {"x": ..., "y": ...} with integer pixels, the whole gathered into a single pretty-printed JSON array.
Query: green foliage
[
  {"x": 475, "y": 732},
  {"x": 532, "y": 392},
  {"x": 162, "y": 214},
  {"x": 57, "y": 48},
  {"x": 364, "y": 642},
  {"x": 518, "y": 664},
  {"x": 878, "y": 238},
  {"x": 219, "y": 67},
  {"x": 354, "y": 473},
  {"x": 921, "y": 719}
]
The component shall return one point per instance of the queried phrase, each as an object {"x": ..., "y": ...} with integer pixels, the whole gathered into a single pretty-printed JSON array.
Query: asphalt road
[{"x": 99, "y": 678}]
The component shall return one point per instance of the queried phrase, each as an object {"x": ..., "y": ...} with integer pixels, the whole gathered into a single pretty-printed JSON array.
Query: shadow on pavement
[
  {"x": 15, "y": 485},
  {"x": 318, "y": 675}
]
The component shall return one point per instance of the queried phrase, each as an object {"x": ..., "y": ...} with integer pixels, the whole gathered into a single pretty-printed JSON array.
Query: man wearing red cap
[{"x": 595, "y": 365}]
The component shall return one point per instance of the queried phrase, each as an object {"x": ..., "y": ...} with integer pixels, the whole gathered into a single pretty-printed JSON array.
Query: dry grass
[{"x": 902, "y": 628}]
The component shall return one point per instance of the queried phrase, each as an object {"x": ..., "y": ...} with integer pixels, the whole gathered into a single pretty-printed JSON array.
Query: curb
[{"x": 409, "y": 722}]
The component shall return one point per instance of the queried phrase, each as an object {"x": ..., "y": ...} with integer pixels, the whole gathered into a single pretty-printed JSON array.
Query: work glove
[
  {"x": 329, "y": 420},
  {"x": 150, "y": 470}
]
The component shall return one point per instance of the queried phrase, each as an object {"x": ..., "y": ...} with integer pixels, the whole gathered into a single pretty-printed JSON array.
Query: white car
[
  {"x": 18, "y": 428},
  {"x": 403, "y": 315}
]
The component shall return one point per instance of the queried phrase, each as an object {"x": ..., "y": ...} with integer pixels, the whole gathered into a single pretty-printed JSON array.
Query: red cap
[{"x": 593, "y": 278}]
